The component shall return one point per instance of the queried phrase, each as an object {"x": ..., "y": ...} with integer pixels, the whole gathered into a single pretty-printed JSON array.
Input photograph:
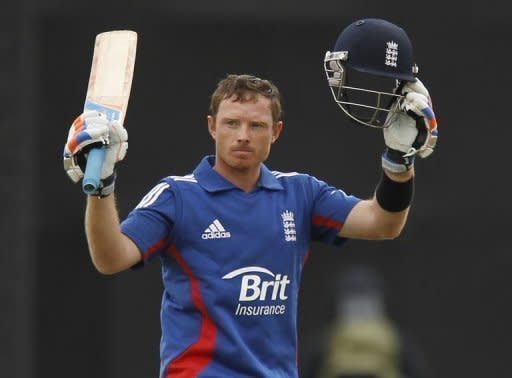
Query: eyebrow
[{"x": 234, "y": 118}]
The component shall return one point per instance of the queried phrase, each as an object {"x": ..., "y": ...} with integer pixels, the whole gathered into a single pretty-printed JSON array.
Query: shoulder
[
  {"x": 295, "y": 178},
  {"x": 307, "y": 184},
  {"x": 158, "y": 194},
  {"x": 165, "y": 190},
  {"x": 181, "y": 181},
  {"x": 289, "y": 176},
  {"x": 301, "y": 184}
]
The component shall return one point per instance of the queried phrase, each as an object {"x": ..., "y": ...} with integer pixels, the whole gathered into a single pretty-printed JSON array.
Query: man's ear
[
  {"x": 211, "y": 126},
  {"x": 276, "y": 130}
]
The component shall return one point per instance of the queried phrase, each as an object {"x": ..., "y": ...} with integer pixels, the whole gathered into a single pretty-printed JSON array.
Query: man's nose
[{"x": 243, "y": 134}]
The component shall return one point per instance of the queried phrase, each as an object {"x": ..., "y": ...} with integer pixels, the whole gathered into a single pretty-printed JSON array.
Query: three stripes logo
[
  {"x": 153, "y": 195},
  {"x": 215, "y": 231}
]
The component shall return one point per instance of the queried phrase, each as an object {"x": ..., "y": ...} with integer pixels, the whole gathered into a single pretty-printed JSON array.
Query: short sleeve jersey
[{"x": 231, "y": 266}]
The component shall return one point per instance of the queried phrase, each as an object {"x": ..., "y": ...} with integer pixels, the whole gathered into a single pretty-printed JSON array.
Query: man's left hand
[{"x": 412, "y": 130}]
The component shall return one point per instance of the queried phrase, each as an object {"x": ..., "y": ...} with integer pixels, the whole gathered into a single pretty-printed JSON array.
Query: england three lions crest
[
  {"x": 391, "y": 54},
  {"x": 290, "y": 234}
]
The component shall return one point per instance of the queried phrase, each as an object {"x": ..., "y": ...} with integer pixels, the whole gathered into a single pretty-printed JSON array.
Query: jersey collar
[{"x": 211, "y": 181}]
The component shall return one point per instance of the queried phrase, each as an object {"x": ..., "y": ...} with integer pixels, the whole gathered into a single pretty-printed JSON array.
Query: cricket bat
[{"x": 109, "y": 88}]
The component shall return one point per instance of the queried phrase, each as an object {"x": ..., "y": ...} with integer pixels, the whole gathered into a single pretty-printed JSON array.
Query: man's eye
[{"x": 231, "y": 122}]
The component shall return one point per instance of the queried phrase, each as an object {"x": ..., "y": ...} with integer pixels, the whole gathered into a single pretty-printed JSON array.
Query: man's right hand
[{"x": 92, "y": 129}]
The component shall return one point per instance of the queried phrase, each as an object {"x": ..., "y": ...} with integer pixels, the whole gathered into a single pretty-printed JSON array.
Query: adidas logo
[{"x": 215, "y": 231}]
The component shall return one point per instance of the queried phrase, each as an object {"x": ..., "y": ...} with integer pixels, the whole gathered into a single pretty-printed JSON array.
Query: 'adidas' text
[{"x": 216, "y": 231}]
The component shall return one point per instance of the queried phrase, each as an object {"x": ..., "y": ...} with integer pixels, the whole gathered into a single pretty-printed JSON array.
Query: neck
[{"x": 245, "y": 179}]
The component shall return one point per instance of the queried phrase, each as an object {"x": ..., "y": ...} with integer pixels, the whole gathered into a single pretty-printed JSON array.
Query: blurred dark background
[{"x": 447, "y": 276}]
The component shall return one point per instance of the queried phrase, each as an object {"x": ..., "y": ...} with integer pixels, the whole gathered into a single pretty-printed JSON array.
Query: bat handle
[{"x": 92, "y": 174}]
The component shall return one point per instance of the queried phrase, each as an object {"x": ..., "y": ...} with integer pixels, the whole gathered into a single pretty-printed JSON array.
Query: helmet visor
[{"x": 366, "y": 99}]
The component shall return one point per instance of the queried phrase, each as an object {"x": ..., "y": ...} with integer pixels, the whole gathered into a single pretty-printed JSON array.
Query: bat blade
[{"x": 109, "y": 88}]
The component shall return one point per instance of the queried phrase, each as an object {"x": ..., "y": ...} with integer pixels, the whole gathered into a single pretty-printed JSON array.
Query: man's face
[{"x": 243, "y": 133}]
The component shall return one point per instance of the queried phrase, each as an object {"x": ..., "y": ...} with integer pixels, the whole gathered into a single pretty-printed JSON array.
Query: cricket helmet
[{"x": 370, "y": 59}]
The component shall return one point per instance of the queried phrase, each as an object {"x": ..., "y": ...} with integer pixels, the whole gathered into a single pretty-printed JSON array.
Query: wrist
[
  {"x": 106, "y": 188},
  {"x": 395, "y": 196},
  {"x": 396, "y": 162},
  {"x": 400, "y": 177}
]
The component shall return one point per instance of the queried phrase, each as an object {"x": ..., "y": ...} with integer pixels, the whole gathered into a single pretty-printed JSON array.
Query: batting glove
[
  {"x": 412, "y": 130},
  {"x": 92, "y": 129}
]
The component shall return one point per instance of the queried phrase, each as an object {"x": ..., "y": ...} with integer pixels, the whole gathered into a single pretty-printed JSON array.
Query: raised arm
[
  {"x": 111, "y": 251},
  {"x": 370, "y": 220},
  {"x": 413, "y": 131}
]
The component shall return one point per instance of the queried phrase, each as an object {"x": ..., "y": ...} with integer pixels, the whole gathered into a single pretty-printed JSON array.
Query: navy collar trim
[{"x": 211, "y": 181}]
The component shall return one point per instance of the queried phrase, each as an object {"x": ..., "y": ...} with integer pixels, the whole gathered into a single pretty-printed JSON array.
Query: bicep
[
  {"x": 359, "y": 222},
  {"x": 367, "y": 220},
  {"x": 131, "y": 253}
]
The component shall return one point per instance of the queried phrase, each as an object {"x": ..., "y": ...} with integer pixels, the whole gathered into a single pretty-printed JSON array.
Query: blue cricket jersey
[{"x": 231, "y": 266}]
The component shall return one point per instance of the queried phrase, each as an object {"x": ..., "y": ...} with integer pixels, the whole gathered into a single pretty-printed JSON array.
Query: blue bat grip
[{"x": 92, "y": 174}]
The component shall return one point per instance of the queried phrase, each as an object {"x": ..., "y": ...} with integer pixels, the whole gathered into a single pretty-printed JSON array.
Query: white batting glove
[
  {"x": 92, "y": 129},
  {"x": 413, "y": 129}
]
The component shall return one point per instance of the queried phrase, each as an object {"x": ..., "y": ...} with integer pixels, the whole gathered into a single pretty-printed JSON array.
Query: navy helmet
[{"x": 376, "y": 48}]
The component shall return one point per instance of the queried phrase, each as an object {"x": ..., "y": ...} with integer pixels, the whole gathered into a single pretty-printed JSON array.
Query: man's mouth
[{"x": 242, "y": 149}]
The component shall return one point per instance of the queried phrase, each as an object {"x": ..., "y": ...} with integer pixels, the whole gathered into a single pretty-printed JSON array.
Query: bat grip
[{"x": 92, "y": 174}]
